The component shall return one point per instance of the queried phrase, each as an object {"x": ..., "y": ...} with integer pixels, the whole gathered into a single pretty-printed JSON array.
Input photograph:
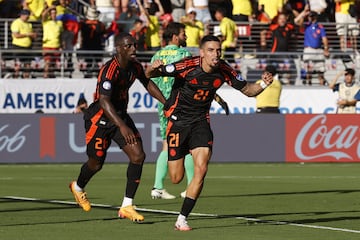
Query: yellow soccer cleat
[
  {"x": 80, "y": 197},
  {"x": 130, "y": 213}
]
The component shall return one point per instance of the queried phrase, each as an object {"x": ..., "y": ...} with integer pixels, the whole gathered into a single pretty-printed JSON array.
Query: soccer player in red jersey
[
  {"x": 196, "y": 81},
  {"x": 107, "y": 120}
]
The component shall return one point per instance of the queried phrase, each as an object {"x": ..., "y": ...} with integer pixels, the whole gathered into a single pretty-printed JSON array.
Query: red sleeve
[{"x": 232, "y": 77}]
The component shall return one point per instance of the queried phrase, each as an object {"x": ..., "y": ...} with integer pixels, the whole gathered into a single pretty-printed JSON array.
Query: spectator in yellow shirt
[
  {"x": 194, "y": 30},
  {"x": 51, "y": 45},
  {"x": 22, "y": 38},
  {"x": 269, "y": 100},
  {"x": 271, "y": 7},
  {"x": 346, "y": 23},
  {"x": 152, "y": 14},
  {"x": 242, "y": 10},
  {"x": 36, "y": 7},
  {"x": 228, "y": 30}
]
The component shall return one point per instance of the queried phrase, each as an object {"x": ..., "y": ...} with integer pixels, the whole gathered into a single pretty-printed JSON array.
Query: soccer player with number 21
[{"x": 196, "y": 81}]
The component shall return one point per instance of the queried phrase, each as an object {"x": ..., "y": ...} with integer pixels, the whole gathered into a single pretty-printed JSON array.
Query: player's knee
[
  {"x": 95, "y": 165},
  {"x": 176, "y": 178},
  {"x": 138, "y": 158},
  {"x": 201, "y": 170}
]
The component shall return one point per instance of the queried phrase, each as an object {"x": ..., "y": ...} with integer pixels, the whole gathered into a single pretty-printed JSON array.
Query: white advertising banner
[
  {"x": 49, "y": 95},
  {"x": 61, "y": 96}
]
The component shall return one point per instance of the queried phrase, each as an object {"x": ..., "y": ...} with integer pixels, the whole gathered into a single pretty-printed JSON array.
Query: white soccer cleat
[
  {"x": 183, "y": 194},
  {"x": 161, "y": 194},
  {"x": 182, "y": 225}
]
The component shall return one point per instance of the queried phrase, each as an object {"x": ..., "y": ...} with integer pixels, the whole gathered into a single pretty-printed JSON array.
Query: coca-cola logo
[
  {"x": 318, "y": 140},
  {"x": 12, "y": 143}
]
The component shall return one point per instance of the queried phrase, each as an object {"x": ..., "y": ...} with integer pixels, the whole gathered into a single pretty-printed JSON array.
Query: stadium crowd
[{"x": 88, "y": 28}]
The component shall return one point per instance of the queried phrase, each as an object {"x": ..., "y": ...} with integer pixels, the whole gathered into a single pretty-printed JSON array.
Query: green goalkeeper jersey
[{"x": 168, "y": 54}]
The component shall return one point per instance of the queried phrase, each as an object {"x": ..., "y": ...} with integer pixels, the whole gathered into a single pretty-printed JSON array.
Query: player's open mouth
[{"x": 215, "y": 61}]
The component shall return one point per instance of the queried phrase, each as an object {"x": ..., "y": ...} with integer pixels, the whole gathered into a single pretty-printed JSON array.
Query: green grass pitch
[{"x": 239, "y": 201}]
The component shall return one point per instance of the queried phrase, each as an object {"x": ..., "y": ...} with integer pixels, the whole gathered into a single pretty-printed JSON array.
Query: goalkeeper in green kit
[{"x": 175, "y": 39}]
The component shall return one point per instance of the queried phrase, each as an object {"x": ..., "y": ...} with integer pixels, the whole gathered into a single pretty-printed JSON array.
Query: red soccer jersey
[
  {"x": 114, "y": 81},
  {"x": 194, "y": 89}
]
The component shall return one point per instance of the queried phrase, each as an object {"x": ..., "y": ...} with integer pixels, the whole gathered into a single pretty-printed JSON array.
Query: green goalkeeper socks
[
  {"x": 161, "y": 170},
  {"x": 189, "y": 168}
]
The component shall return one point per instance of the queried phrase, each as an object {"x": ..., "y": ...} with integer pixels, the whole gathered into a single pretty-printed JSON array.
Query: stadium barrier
[
  {"x": 247, "y": 58},
  {"x": 59, "y": 138}
]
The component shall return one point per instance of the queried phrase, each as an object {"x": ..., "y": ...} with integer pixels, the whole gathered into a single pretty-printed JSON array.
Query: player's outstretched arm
[
  {"x": 154, "y": 91},
  {"x": 253, "y": 89},
  {"x": 154, "y": 70}
]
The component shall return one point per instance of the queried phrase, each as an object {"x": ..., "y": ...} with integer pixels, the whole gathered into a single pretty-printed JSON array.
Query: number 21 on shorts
[{"x": 173, "y": 140}]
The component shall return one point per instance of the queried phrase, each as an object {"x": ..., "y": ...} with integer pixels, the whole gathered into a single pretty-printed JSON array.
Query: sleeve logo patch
[
  {"x": 106, "y": 85},
  {"x": 170, "y": 68},
  {"x": 239, "y": 77}
]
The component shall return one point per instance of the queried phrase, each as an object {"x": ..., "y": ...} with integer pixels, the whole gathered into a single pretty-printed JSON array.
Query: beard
[{"x": 183, "y": 43}]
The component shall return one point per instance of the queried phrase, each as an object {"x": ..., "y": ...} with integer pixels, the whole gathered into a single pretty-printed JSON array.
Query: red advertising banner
[
  {"x": 322, "y": 138},
  {"x": 47, "y": 137}
]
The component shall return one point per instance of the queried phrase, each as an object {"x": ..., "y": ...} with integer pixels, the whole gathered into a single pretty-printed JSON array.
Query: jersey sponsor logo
[
  {"x": 170, "y": 68},
  {"x": 107, "y": 85},
  {"x": 194, "y": 81}
]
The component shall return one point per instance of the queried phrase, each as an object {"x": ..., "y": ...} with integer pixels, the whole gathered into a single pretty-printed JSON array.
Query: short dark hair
[
  {"x": 271, "y": 69},
  {"x": 138, "y": 20},
  {"x": 173, "y": 28},
  {"x": 222, "y": 11},
  {"x": 120, "y": 37},
  {"x": 25, "y": 12},
  {"x": 350, "y": 71},
  {"x": 153, "y": 8},
  {"x": 209, "y": 38},
  {"x": 313, "y": 14}
]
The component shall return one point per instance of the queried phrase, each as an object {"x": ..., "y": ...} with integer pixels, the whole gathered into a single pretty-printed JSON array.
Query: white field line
[
  {"x": 209, "y": 177},
  {"x": 283, "y": 177},
  {"x": 299, "y": 225},
  {"x": 192, "y": 214}
]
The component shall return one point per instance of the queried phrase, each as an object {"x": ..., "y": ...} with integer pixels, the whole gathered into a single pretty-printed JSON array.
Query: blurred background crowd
[{"x": 303, "y": 39}]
